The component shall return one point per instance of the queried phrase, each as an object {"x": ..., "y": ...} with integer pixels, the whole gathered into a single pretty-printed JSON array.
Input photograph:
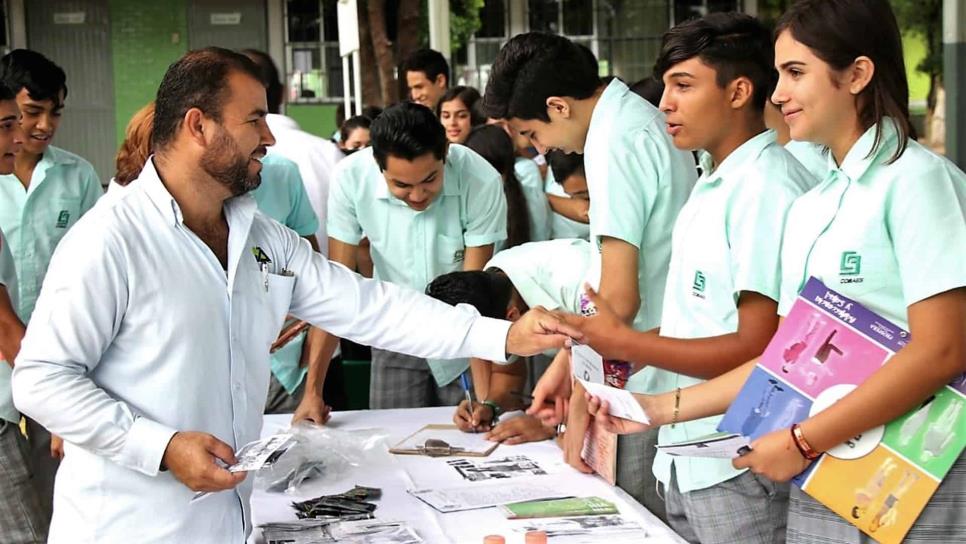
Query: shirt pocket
[
  {"x": 450, "y": 251},
  {"x": 277, "y": 299}
]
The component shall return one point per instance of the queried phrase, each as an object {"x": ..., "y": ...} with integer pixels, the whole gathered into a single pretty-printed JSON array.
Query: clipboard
[{"x": 435, "y": 440}]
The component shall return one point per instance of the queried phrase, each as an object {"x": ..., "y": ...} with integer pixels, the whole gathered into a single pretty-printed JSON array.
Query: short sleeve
[
  {"x": 92, "y": 187},
  {"x": 301, "y": 217},
  {"x": 483, "y": 200},
  {"x": 623, "y": 178},
  {"x": 342, "y": 223},
  {"x": 926, "y": 219},
  {"x": 755, "y": 223}
]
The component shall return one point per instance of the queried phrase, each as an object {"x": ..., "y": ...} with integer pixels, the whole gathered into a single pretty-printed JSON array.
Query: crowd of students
[{"x": 689, "y": 208}]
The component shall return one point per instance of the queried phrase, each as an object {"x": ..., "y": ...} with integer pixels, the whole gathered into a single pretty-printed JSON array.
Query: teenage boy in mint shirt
[
  {"x": 428, "y": 207},
  {"x": 47, "y": 192},
  {"x": 547, "y": 88},
  {"x": 720, "y": 306}
]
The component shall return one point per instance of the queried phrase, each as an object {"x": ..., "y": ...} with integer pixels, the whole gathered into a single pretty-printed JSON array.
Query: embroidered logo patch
[
  {"x": 63, "y": 218},
  {"x": 697, "y": 288}
]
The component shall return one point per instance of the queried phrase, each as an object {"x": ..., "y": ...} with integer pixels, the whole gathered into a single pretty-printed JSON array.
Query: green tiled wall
[{"x": 146, "y": 37}]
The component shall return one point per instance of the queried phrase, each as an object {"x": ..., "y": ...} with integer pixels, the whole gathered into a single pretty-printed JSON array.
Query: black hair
[
  {"x": 199, "y": 79},
  {"x": 534, "y": 66},
  {"x": 6, "y": 93},
  {"x": 470, "y": 98},
  {"x": 838, "y": 32},
  {"x": 733, "y": 44},
  {"x": 563, "y": 165},
  {"x": 428, "y": 61},
  {"x": 494, "y": 145},
  {"x": 26, "y": 69},
  {"x": 268, "y": 76},
  {"x": 488, "y": 291},
  {"x": 407, "y": 130},
  {"x": 371, "y": 112},
  {"x": 352, "y": 123},
  {"x": 649, "y": 88}
]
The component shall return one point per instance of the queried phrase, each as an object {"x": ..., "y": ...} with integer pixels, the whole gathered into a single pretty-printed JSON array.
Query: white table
[{"x": 394, "y": 474}]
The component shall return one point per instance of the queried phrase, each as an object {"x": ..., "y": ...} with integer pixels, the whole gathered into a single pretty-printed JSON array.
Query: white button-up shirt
[
  {"x": 315, "y": 157},
  {"x": 139, "y": 332}
]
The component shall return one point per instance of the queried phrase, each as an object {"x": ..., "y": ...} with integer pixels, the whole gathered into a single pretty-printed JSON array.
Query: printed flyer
[{"x": 881, "y": 480}]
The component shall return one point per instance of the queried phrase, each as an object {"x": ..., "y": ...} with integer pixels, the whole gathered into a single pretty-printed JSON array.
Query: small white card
[
  {"x": 621, "y": 403},
  {"x": 588, "y": 365}
]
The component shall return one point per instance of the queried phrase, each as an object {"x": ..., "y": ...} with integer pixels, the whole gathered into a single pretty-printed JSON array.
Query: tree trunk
[
  {"x": 370, "y": 76},
  {"x": 382, "y": 50},
  {"x": 407, "y": 33}
]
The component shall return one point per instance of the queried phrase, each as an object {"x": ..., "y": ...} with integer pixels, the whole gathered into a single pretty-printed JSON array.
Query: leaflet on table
[
  {"x": 613, "y": 529},
  {"x": 257, "y": 455},
  {"x": 471, "y": 497},
  {"x": 347, "y": 532},
  {"x": 558, "y": 508},
  {"x": 828, "y": 344}
]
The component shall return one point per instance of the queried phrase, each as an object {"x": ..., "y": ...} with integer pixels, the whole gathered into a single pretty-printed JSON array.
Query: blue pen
[{"x": 465, "y": 381}]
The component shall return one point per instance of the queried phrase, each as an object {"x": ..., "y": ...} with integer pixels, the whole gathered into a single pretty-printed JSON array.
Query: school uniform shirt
[
  {"x": 411, "y": 248},
  {"x": 528, "y": 173},
  {"x": 814, "y": 157},
  {"x": 726, "y": 240},
  {"x": 282, "y": 197},
  {"x": 886, "y": 235},
  {"x": 62, "y": 188},
  {"x": 549, "y": 273},
  {"x": 146, "y": 334},
  {"x": 560, "y": 226},
  {"x": 8, "y": 280},
  {"x": 315, "y": 157},
  {"x": 638, "y": 182}
]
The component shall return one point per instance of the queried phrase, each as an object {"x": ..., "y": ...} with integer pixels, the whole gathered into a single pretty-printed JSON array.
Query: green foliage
[
  {"x": 464, "y": 20},
  {"x": 923, "y": 18}
]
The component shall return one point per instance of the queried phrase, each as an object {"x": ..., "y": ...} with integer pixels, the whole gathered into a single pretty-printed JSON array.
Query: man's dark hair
[
  {"x": 371, "y": 112},
  {"x": 407, "y": 130},
  {"x": 199, "y": 79},
  {"x": 534, "y": 66},
  {"x": 733, "y": 44},
  {"x": 6, "y": 93},
  {"x": 428, "y": 61},
  {"x": 563, "y": 165},
  {"x": 488, "y": 291},
  {"x": 269, "y": 77},
  {"x": 26, "y": 69}
]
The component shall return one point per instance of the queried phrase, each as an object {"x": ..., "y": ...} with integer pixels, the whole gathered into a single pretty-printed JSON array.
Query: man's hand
[
  {"x": 312, "y": 408},
  {"x": 190, "y": 456},
  {"x": 519, "y": 430},
  {"x": 537, "y": 331},
  {"x": 551, "y": 395},
  {"x": 601, "y": 412},
  {"x": 605, "y": 331},
  {"x": 56, "y": 447},
  {"x": 479, "y": 421}
]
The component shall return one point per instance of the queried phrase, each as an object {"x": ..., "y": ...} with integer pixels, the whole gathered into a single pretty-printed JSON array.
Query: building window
[
  {"x": 313, "y": 67},
  {"x": 471, "y": 64}
]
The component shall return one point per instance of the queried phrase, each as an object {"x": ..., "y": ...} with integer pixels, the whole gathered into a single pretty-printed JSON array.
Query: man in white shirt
[
  {"x": 159, "y": 309},
  {"x": 315, "y": 156}
]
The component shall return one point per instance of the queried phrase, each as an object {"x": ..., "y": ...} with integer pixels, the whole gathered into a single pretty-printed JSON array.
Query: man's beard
[{"x": 225, "y": 163}]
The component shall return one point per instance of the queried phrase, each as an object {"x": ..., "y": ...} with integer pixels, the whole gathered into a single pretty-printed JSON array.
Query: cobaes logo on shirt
[
  {"x": 697, "y": 288},
  {"x": 850, "y": 266},
  {"x": 458, "y": 255},
  {"x": 62, "y": 219}
]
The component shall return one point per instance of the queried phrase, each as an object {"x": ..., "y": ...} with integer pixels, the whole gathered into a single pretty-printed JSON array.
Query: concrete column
[
  {"x": 954, "y": 79},
  {"x": 439, "y": 27}
]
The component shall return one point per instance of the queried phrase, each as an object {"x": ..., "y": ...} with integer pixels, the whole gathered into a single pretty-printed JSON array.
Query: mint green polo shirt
[
  {"x": 886, "y": 235},
  {"x": 8, "y": 279},
  {"x": 814, "y": 157},
  {"x": 528, "y": 174},
  {"x": 726, "y": 240},
  {"x": 282, "y": 196},
  {"x": 549, "y": 273},
  {"x": 560, "y": 226},
  {"x": 638, "y": 182},
  {"x": 409, "y": 247},
  {"x": 62, "y": 188}
]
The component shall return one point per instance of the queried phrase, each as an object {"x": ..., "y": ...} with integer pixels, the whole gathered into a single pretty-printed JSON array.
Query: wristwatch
[{"x": 495, "y": 408}]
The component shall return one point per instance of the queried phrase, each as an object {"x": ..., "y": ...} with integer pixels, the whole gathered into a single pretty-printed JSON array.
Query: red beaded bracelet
[{"x": 803, "y": 446}]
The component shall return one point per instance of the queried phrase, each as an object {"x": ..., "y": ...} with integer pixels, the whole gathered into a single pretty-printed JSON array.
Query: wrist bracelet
[
  {"x": 807, "y": 451},
  {"x": 495, "y": 408},
  {"x": 677, "y": 407}
]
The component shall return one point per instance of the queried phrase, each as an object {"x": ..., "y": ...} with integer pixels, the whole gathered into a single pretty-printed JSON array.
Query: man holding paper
[{"x": 149, "y": 353}]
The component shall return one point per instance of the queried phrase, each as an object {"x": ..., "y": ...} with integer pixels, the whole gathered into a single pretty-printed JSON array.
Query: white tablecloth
[{"x": 394, "y": 474}]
